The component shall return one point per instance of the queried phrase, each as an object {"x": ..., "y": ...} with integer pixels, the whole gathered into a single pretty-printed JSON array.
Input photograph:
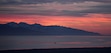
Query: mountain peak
[
  {"x": 12, "y": 24},
  {"x": 23, "y": 23},
  {"x": 35, "y": 24},
  {"x": 36, "y": 29}
]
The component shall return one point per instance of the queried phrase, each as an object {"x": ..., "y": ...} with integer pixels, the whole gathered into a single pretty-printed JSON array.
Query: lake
[{"x": 41, "y": 42}]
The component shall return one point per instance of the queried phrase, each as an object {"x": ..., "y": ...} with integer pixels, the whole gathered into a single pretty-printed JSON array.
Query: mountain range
[{"x": 23, "y": 28}]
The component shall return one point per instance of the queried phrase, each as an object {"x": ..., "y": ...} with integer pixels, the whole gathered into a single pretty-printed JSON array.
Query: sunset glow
[
  {"x": 93, "y": 16},
  {"x": 94, "y": 22}
]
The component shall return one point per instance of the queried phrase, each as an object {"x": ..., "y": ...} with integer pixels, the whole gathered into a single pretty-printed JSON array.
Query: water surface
[{"x": 39, "y": 42}]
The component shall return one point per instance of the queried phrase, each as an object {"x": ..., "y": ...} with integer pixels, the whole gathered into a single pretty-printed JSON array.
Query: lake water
[{"x": 40, "y": 42}]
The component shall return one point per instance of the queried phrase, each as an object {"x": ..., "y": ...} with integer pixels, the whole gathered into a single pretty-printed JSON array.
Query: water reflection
[{"x": 37, "y": 42}]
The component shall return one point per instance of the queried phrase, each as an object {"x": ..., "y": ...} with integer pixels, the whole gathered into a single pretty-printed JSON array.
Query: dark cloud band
[
  {"x": 40, "y": 7},
  {"x": 4, "y": 2}
]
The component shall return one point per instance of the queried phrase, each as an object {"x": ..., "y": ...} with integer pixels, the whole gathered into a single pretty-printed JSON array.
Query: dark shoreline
[{"x": 61, "y": 50}]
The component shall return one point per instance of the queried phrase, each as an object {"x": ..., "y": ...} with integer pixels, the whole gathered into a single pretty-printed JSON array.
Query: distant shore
[{"x": 62, "y": 50}]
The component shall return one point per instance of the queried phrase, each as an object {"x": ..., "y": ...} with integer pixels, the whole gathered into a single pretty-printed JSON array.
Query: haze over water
[{"x": 40, "y": 42}]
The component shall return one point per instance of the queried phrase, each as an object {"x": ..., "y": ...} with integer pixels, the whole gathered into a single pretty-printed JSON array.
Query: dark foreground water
[{"x": 39, "y": 42}]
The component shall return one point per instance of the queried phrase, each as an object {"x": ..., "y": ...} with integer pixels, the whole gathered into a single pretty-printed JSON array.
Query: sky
[{"x": 89, "y": 15}]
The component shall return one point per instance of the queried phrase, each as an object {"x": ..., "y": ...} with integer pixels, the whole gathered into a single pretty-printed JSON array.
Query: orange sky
[{"x": 93, "y": 22}]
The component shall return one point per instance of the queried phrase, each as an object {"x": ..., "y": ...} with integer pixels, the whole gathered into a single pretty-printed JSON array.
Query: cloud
[
  {"x": 104, "y": 9},
  {"x": 47, "y": 1},
  {"x": 55, "y": 7},
  {"x": 10, "y": 2}
]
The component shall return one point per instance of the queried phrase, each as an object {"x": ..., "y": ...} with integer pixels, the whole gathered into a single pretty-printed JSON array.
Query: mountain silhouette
[{"x": 23, "y": 28}]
